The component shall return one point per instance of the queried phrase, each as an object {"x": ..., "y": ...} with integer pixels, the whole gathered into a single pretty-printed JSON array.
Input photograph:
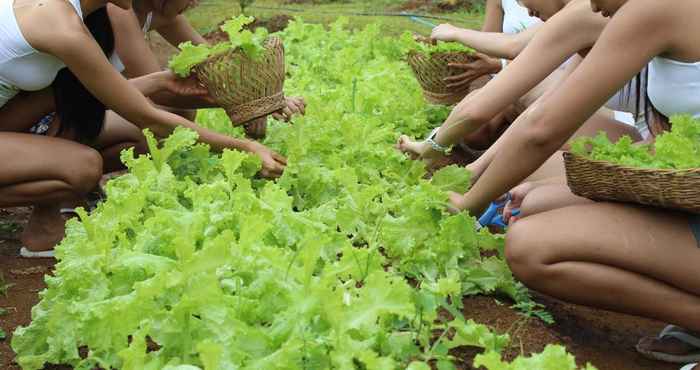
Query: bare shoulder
[
  {"x": 576, "y": 22},
  {"x": 578, "y": 14},
  {"x": 52, "y": 24}
]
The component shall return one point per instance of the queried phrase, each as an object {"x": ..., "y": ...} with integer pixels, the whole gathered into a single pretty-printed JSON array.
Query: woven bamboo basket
[
  {"x": 431, "y": 71},
  {"x": 604, "y": 181},
  {"x": 246, "y": 88}
]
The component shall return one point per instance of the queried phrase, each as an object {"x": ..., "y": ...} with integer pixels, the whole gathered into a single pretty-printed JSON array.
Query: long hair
[
  {"x": 656, "y": 122},
  {"x": 79, "y": 111}
]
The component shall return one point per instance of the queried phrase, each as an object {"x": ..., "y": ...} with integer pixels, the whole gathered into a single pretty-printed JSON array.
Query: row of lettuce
[{"x": 349, "y": 261}]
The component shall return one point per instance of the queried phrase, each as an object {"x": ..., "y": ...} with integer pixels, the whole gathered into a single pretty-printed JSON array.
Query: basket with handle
[
  {"x": 605, "y": 181},
  {"x": 431, "y": 71},
  {"x": 247, "y": 88}
]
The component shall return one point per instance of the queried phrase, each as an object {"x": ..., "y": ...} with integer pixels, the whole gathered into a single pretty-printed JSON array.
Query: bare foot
[{"x": 45, "y": 229}]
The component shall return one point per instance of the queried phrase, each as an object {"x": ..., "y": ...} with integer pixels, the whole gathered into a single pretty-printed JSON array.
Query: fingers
[
  {"x": 508, "y": 211},
  {"x": 279, "y": 158},
  {"x": 287, "y": 114},
  {"x": 271, "y": 169},
  {"x": 295, "y": 106},
  {"x": 456, "y": 204},
  {"x": 301, "y": 103},
  {"x": 461, "y": 80},
  {"x": 464, "y": 66}
]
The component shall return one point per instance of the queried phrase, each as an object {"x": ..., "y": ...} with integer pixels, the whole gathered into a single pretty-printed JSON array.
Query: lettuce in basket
[{"x": 251, "y": 43}]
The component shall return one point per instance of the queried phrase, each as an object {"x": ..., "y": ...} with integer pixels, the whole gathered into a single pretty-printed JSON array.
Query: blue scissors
[{"x": 492, "y": 216}]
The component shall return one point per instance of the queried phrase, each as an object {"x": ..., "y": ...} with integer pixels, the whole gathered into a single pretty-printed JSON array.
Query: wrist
[
  {"x": 498, "y": 64},
  {"x": 436, "y": 145},
  {"x": 159, "y": 80}
]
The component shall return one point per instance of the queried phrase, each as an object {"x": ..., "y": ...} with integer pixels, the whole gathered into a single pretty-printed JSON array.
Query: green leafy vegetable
[
  {"x": 194, "y": 257},
  {"x": 189, "y": 56},
  {"x": 409, "y": 43},
  {"x": 252, "y": 44},
  {"x": 677, "y": 149}
]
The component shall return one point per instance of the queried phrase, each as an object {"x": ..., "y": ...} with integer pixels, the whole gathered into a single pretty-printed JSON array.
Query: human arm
[
  {"x": 81, "y": 54},
  {"x": 571, "y": 30},
  {"x": 139, "y": 60},
  {"x": 179, "y": 30},
  {"x": 493, "y": 21},
  {"x": 622, "y": 51},
  {"x": 495, "y": 44}
]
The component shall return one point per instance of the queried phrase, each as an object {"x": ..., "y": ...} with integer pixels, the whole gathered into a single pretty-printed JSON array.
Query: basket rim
[
  {"x": 573, "y": 156},
  {"x": 213, "y": 58},
  {"x": 429, "y": 55}
]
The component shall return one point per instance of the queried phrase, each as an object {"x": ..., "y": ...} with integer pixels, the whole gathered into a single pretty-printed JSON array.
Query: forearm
[
  {"x": 168, "y": 99},
  {"x": 491, "y": 43},
  {"x": 510, "y": 168},
  {"x": 164, "y": 123},
  {"x": 148, "y": 85}
]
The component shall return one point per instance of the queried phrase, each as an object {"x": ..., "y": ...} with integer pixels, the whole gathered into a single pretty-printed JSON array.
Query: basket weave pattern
[
  {"x": 246, "y": 88},
  {"x": 431, "y": 70},
  {"x": 604, "y": 181}
]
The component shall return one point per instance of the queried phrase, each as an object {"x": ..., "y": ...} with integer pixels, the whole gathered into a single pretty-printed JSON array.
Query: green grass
[{"x": 211, "y": 12}]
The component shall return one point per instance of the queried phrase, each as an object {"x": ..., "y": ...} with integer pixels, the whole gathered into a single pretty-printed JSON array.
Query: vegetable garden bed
[{"x": 223, "y": 270}]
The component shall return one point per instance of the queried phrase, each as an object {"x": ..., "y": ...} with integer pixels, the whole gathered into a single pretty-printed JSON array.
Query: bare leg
[
  {"x": 45, "y": 172},
  {"x": 550, "y": 197},
  {"x": 118, "y": 134},
  {"x": 622, "y": 258}
]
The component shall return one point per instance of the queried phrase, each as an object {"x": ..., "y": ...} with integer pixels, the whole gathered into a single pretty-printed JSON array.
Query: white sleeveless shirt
[
  {"x": 516, "y": 18},
  {"x": 23, "y": 68},
  {"x": 674, "y": 87}
]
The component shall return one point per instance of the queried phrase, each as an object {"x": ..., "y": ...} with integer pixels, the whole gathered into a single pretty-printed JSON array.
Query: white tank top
[
  {"x": 674, "y": 87},
  {"x": 21, "y": 66},
  {"x": 516, "y": 17}
]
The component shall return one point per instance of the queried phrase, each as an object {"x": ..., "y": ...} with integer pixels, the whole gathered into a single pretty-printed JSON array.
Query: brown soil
[{"x": 605, "y": 339}]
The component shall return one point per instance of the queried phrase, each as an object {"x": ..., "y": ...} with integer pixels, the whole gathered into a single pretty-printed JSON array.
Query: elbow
[
  {"x": 513, "y": 48},
  {"x": 540, "y": 133},
  {"x": 470, "y": 116}
]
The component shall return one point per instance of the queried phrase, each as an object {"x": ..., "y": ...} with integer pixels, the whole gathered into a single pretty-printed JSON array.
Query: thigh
[
  {"x": 25, "y": 110},
  {"x": 553, "y": 167},
  {"x": 650, "y": 242},
  {"x": 28, "y": 157},
  {"x": 117, "y": 130},
  {"x": 549, "y": 197}
]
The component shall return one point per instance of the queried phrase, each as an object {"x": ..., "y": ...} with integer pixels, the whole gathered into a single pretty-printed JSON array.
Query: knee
[
  {"x": 524, "y": 253},
  {"x": 86, "y": 170}
]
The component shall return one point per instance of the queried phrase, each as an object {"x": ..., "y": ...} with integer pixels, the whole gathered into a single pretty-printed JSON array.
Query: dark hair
[
  {"x": 79, "y": 111},
  {"x": 643, "y": 107}
]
